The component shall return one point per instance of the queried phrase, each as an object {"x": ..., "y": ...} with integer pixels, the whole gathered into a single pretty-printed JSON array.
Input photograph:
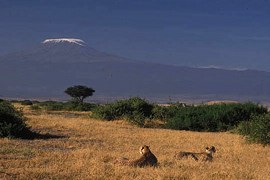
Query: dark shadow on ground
[
  {"x": 44, "y": 136},
  {"x": 31, "y": 135}
]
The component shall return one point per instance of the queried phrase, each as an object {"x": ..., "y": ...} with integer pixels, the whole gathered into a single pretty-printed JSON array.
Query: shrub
[
  {"x": 135, "y": 110},
  {"x": 166, "y": 112},
  {"x": 26, "y": 102},
  {"x": 15, "y": 101},
  {"x": 61, "y": 106},
  {"x": 35, "y": 107},
  {"x": 137, "y": 118},
  {"x": 220, "y": 117},
  {"x": 140, "y": 105},
  {"x": 78, "y": 106},
  {"x": 160, "y": 112},
  {"x": 257, "y": 129},
  {"x": 105, "y": 112},
  {"x": 51, "y": 105},
  {"x": 12, "y": 122}
]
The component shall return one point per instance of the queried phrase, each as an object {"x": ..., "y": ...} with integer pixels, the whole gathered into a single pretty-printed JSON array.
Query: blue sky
[{"x": 198, "y": 33}]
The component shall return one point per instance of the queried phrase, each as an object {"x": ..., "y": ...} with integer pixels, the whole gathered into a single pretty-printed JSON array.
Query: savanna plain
[{"x": 75, "y": 146}]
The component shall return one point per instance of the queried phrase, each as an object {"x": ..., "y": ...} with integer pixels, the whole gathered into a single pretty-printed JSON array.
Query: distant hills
[{"x": 47, "y": 70}]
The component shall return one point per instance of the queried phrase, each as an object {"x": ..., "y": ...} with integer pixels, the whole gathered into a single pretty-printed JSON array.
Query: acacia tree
[{"x": 79, "y": 92}]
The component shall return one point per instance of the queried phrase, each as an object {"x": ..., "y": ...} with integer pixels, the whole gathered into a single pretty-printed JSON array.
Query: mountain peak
[{"x": 65, "y": 40}]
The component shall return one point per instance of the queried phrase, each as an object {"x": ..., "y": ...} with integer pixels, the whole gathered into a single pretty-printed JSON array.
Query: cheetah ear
[{"x": 207, "y": 148}]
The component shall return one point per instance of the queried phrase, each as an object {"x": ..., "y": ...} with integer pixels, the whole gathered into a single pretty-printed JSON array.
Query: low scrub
[
  {"x": 219, "y": 117},
  {"x": 135, "y": 110},
  {"x": 26, "y": 102},
  {"x": 63, "y": 106},
  {"x": 212, "y": 118},
  {"x": 166, "y": 112},
  {"x": 257, "y": 129},
  {"x": 12, "y": 122}
]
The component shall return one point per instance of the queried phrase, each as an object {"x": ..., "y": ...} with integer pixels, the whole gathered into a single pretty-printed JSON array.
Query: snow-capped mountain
[
  {"x": 55, "y": 64},
  {"x": 62, "y": 50}
]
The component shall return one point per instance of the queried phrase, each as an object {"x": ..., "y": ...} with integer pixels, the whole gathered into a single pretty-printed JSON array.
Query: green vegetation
[
  {"x": 63, "y": 106},
  {"x": 213, "y": 118},
  {"x": 257, "y": 129},
  {"x": 220, "y": 117},
  {"x": 12, "y": 122},
  {"x": 135, "y": 110},
  {"x": 26, "y": 102},
  {"x": 166, "y": 112},
  {"x": 248, "y": 119}
]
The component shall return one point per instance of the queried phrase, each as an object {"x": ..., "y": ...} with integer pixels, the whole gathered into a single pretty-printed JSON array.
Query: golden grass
[{"x": 89, "y": 147}]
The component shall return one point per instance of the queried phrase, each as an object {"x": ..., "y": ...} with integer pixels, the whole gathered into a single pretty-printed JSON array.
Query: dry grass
[{"x": 88, "y": 148}]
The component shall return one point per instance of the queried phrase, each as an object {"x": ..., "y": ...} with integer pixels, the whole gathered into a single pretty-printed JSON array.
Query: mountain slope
[
  {"x": 48, "y": 69},
  {"x": 61, "y": 50}
]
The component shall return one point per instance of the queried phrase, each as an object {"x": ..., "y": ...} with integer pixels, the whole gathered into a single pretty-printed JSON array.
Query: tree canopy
[{"x": 79, "y": 92}]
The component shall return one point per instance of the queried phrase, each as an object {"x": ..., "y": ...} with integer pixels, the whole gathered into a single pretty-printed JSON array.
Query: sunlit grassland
[{"x": 84, "y": 148}]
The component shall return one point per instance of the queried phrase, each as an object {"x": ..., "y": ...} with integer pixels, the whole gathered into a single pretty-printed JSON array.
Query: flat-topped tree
[{"x": 79, "y": 92}]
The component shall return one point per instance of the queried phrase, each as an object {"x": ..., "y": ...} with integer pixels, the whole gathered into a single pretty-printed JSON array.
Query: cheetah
[
  {"x": 203, "y": 156},
  {"x": 147, "y": 159}
]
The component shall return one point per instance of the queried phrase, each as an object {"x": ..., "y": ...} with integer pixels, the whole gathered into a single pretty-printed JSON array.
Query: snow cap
[{"x": 69, "y": 40}]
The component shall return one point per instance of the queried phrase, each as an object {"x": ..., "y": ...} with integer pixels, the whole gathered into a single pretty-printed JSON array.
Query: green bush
[
  {"x": 12, "y": 122},
  {"x": 26, "y": 102},
  {"x": 35, "y": 107},
  {"x": 135, "y": 110},
  {"x": 220, "y": 117},
  {"x": 137, "y": 118},
  {"x": 15, "y": 101},
  {"x": 105, "y": 112},
  {"x": 63, "y": 106},
  {"x": 140, "y": 105},
  {"x": 51, "y": 105},
  {"x": 166, "y": 112},
  {"x": 78, "y": 106},
  {"x": 257, "y": 129}
]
